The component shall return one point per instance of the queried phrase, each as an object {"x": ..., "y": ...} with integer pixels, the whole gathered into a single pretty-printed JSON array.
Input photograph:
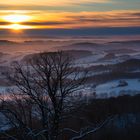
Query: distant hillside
[
  {"x": 119, "y": 51},
  {"x": 76, "y": 54},
  {"x": 7, "y": 42},
  {"x": 108, "y": 56},
  {"x": 2, "y": 54},
  {"x": 80, "y": 46},
  {"x": 126, "y": 42},
  {"x": 85, "y": 43},
  {"x": 126, "y": 66}
]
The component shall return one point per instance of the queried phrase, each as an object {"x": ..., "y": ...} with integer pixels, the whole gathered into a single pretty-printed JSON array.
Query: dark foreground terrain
[{"x": 124, "y": 124}]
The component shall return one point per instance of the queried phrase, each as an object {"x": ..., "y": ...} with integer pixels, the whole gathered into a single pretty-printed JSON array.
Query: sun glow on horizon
[
  {"x": 35, "y": 19},
  {"x": 16, "y": 27},
  {"x": 15, "y": 18}
]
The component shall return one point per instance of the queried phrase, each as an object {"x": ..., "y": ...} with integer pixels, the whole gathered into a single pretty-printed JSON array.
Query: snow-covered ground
[
  {"x": 111, "y": 89},
  {"x": 4, "y": 123},
  {"x": 3, "y": 89},
  {"x": 98, "y": 59}
]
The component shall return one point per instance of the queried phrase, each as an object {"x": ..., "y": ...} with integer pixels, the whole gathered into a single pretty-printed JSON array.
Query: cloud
[
  {"x": 50, "y": 23},
  {"x": 69, "y": 20},
  {"x": 50, "y": 2}
]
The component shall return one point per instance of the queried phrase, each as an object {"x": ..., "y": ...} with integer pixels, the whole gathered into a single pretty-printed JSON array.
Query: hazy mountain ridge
[
  {"x": 76, "y": 54},
  {"x": 125, "y": 42}
]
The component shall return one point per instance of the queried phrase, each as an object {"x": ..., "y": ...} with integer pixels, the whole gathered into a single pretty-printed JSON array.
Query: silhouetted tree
[{"x": 45, "y": 90}]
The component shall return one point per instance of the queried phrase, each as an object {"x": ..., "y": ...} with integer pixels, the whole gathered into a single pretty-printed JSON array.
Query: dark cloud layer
[{"x": 79, "y": 32}]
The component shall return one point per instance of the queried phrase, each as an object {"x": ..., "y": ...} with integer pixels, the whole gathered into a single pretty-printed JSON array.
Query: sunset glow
[
  {"x": 17, "y": 27},
  {"x": 14, "y": 21},
  {"x": 58, "y": 57},
  {"x": 69, "y": 14},
  {"x": 16, "y": 18}
]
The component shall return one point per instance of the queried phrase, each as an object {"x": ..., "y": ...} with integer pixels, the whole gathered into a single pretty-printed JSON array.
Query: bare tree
[
  {"x": 45, "y": 87},
  {"x": 91, "y": 129},
  {"x": 18, "y": 111}
]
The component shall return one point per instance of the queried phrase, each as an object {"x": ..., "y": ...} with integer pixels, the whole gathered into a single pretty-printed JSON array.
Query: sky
[{"x": 70, "y": 16}]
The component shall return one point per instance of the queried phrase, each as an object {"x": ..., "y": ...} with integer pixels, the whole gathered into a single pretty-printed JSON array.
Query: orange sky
[{"x": 52, "y": 14}]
